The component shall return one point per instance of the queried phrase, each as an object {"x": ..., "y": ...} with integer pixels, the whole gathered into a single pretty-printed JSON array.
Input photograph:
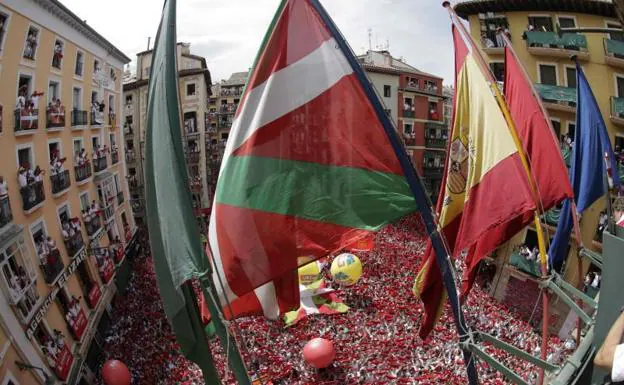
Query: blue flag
[{"x": 591, "y": 153}]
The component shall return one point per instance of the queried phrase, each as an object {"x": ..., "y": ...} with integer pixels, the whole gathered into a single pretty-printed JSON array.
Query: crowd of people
[{"x": 376, "y": 341}]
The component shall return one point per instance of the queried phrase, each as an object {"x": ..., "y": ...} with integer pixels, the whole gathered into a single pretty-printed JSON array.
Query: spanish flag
[{"x": 485, "y": 183}]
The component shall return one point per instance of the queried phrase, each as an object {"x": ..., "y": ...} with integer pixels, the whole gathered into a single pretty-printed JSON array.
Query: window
[
  {"x": 4, "y": 19},
  {"x": 619, "y": 36},
  {"x": 96, "y": 67},
  {"x": 76, "y": 98},
  {"x": 17, "y": 272},
  {"x": 57, "y": 56},
  {"x": 556, "y": 125},
  {"x": 566, "y": 22},
  {"x": 84, "y": 201},
  {"x": 32, "y": 39},
  {"x": 548, "y": 74},
  {"x": 24, "y": 90},
  {"x": 620, "y": 86},
  {"x": 95, "y": 143},
  {"x": 53, "y": 92},
  {"x": 408, "y": 129},
  {"x": 572, "y": 130},
  {"x": 498, "y": 69},
  {"x": 190, "y": 89},
  {"x": 54, "y": 150},
  {"x": 147, "y": 71},
  {"x": 128, "y": 100},
  {"x": 77, "y": 146},
  {"x": 571, "y": 77},
  {"x": 190, "y": 122},
  {"x": 387, "y": 91},
  {"x": 490, "y": 27},
  {"x": 79, "y": 63},
  {"x": 118, "y": 188},
  {"x": 541, "y": 23},
  {"x": 25, "y": 157},
  {"x": 619, "y": 143},
  {"x": 224, "y": 135}
]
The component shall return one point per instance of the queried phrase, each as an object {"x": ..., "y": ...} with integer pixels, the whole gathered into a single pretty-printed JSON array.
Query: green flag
[{"x": 174, "y": 235}]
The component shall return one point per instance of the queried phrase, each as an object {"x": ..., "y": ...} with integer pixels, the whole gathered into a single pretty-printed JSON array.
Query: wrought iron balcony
[
  {"x": 109, "y": 212},
  {"x": 55, "y": 117},
  {"x": 79, "y": 118},
  {"x": 225, "y": 124},
  {"x": 114, "y": 157},
  {"x": 232, "y": 92},
  {"x": 614, "y": 52},
  {"x": 6, "y": 215},
  {"x": 60, "y": 181},
  {"x": 435, "y": 142},
  {"x": 544, "y": 43},
  {"x": 100, "y": 164},
  {"x": 93, "y": 225},
  {"x": 432, "y": 171},
  {"x": 82, "y": 172},
  {"x": 428, "y": 89},
  {"x": 408, "y": 113},
  {"x": 557, "y": 98},
  {"x": 32, "y": 195},
  {"x": 26, "y": 120},
  {"x": 192, "y": 157},
  {"x": 97, "y": 118},
  {"x": 52, "y": 265},
  {"x": 74, "y": 243},
  {"x": 120, "y": 198}
]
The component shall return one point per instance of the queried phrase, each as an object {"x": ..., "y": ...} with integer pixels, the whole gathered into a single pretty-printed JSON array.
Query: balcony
[
  {"x": 614, "y": 52},
  {"x": 120, "y": 198},
  {"x": 435, "y": 142},
  {"x": 550, "y": 44},
  {"x": 17, "y": 281},
  {"x": 60, "y": 182},
  {"x": 552, "y": 216},
  {"x": 427, "y": 89},
  {"x": 6, "y": 215},
  {"x": 93, "y": 225},
  {"x": 130, "y": 157},
  {"x": 231, "y": 92},
  {"x": 229, "y": 108},
  {"x": 82, "y": 172},
  {"x": 51, "y": 265},
  {"x": 97, "y": 118},
  {"x": 128, "y": 129},
  {"x": 408, "y": 113},
  {"x": 79, "y": 118},
  {"x": 225, "y": 124},
  {"x": 100, "y": 164},
  {"x": 112, "y": 119},
  {"x": 617, "y": 111},
  {"x": 114, "y": 157},
  {"x": 55, "y": 117},
  {"x": 109, "y": 212},
  {"x": 557, "y": 98},
  {"x": 432, "y": 171},
  {"x": 192, "y": 157},
  {"x": 137, "y": 207},
  {"x": 26, "y": 121},
  {"x": 74, "y": 243},
  {"x": 32, "y": 196}
]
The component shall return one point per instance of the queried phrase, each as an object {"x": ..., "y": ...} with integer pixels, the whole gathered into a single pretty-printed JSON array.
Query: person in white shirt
[
  {"x": 21, "y": 177},
  {"x": 596, "y": 282},
  {"x": 611, "y": 354}
]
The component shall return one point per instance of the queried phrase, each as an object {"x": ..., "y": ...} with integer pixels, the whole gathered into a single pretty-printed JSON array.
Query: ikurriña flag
[
  {"x": 308, "y": 168},
  {"x": 485, "y": 185}
]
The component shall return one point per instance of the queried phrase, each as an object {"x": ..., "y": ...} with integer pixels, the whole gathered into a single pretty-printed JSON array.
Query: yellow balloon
[
  {"x": 346, "y": 269},
  {"x": 309, "y": 273}
]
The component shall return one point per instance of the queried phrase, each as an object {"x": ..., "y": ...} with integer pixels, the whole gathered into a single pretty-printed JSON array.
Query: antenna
[
  {"x": 370, "y": 39},
  {"x": 149, "y": 40},
  {"x": 388, "y": 45}
]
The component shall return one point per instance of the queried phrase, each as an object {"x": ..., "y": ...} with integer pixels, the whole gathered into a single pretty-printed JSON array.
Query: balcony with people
[
  {"x": 526, "y": 259},
  {"x": 55, "y": 114},
  {"x": 225, "y": 123},
  {"x": 6, "y": 214},
  {"x": 32, "y": 41},
  {"x": 49, "y": 258},
  {"x": 31, "y": 187},
  {"x": 97, "y": 113},
  {"x": 73, "y": 314},
  {"x": 59, "y": 177},
  {"x": 228, "y": 108},
  {"x": 231, "y": 91},
  {"x": 72, "y": 236},
  {"x": 78, "y": 118},
  {"x": 409, "y": 110},
  {"x": 108, "y": 208},
  {"x": 617, "y": 110},
  {"x": 114, "y": 155},
  {"x": 614, "y": 50},
  {"x": 436, "y": 135},
  {"x": 552, "y": 44},
  {"x": 413, "y": 84},
  {"x": 18, "y": 274},
  {"x": 104, "y": 263},
  {"x": 433, "y": 164},
  {"x": 26, "y": 112},
  {"x": 82, "y": 168},
  {"x": 57, "y": 57},
  {"x": 100, "y": 161},
  {"x": 492, "y": 40},
  {"x": 557, "y": 97},
  {"x": 91, "y": 218}
]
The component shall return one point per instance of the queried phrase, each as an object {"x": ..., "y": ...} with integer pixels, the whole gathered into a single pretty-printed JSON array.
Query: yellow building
[
  {"x": 531, "y": 25},
  {"x": 65, "y": 223}
]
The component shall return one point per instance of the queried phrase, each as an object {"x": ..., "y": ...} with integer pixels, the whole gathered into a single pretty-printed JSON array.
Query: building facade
[
  {"x": 195, "y": 89},
  {"x": 545, "y": 54},
  {"x": 415, "y": 101},
  {"x": 65, "y": 221}
]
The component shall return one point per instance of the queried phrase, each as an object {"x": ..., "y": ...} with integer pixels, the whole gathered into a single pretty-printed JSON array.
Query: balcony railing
[
  {"x": 74, "y": 243},
  {"x": 231, "y": 92},
  {"x": 415, "y": 87},
  {"x": 225, "y": 124},
  {"x": 82, "y": 172},
  {"x": 114, "y": 157},
  {"x": 52, "y": 265},
  {"x": 614, "y": 48},
  {"x": 109, "y": 212},
  {"x": 55, "y": 117},
  {"x": 229, "y": 108},
  {"x": 93, "y": 225},
  {"x": 32, "y": 195},
  {"x": 130, "y": 157},
  {"x": 564, "y": 96},
  {"x": 408, "y": 113},
  {"x": 192, "y": 157},
  {"x": 79, "y": 118},
  {"x": 97, "y": 118},
  {"x": 26, "y": 120},
  {"x": 617, "y": 107},
  {"x": 60, "y": 181},
  {"x": 100, "y": 164},
  {"x": 432, "y": 172},
  {"x": 435, "y": 142},
  {"x": 6, "y": 215},
  {"x": 120, "y": 198},
  {"x": 552, "y": 43}
]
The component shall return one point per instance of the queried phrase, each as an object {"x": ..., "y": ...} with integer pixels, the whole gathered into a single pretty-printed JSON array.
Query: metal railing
[
  {"x": 6, "y": 215},
  {"x": 97, "y": 118},
  {"x": 192, "y": 157},
  {"x": 32, "y": 195},
  {"x": 78, "y": 118},
  {"x": 82, "y": 172},
  {"x": 567, "y": 41},
  {"x": 52, "y": 265},
  {"x": 74, "y": 244},
  {"x": 435, "y": 142},
  {"x": 60, "y": 181},
  {"x": 617, "y": 107},
  {"x": 557, "y": 94},
  {"x": 55, "y": 117},
  {"x": 109, "y": 212},
  {"x": 408, "y": 113},
  {"x": 26, "y": 119},
  {"x": 432, "y": 171},
  {"x": 93, "y": 225},
  {"x": 100, "y": 164}
]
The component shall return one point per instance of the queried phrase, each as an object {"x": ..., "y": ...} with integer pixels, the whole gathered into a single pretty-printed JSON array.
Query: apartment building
[
  {"x": 416, "y": 103},
  {"x": 545, "y": 54},
  {"x": 195, "y": 89},
  {"x": 66, "y": 227}
]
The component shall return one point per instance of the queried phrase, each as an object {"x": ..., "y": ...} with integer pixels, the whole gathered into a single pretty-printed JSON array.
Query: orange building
[{"x": 65, "y": 223}]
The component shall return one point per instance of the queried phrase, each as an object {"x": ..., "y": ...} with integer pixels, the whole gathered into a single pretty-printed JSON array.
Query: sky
[{"x": 228, "y": 33}]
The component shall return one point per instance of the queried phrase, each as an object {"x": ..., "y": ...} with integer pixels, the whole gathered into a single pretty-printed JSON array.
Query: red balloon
[
  {"x": 319, "y": 352},
  {"x": 115, "y": 372}
]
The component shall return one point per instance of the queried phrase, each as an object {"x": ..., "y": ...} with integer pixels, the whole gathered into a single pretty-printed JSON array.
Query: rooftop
[
  {"x": 593, "y": 7},
  {"x": 236, "y": 79},
  {"x": 383, "y": 61}
]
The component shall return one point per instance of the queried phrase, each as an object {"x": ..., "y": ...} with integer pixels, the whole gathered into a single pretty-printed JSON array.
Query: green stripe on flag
[{"x": 345, "y": 196}]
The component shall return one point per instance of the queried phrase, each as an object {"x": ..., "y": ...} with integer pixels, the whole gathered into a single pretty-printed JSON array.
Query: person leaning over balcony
[
  {"x": 611, "y": 353},
  {"x": 22, "y": 178},
  {"x": 38, "y": 173}
]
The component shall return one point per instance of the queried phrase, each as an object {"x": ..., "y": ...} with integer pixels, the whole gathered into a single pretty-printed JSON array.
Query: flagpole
[
  {"x": 416, "y": 187},
  {"x": 523, "y": 157}
]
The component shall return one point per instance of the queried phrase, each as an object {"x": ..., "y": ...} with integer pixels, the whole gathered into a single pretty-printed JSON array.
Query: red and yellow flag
[{"x": 485, "y": 183}]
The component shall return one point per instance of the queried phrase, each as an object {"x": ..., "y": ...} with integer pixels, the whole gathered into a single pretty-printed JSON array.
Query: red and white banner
[
  {"x": 79, "y": 325},
  {"x": 107, "y": 270},
  {"x": 119, "y": 254},
  {"x": 94, "y": 296},
  {"x": 64, "y": 360}
]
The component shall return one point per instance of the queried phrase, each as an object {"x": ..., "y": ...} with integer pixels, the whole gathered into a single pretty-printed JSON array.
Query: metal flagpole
[
  {"x": 523, "y": 157},
  {"x": 415, "y": 184}
]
